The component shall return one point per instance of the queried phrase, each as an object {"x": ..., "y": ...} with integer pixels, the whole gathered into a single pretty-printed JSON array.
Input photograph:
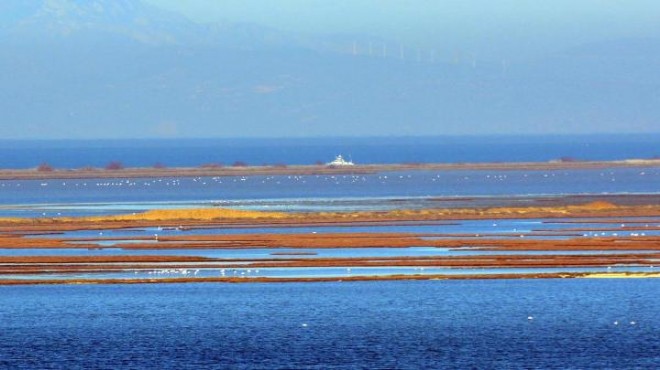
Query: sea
[
  {"x": 375, "y": 150},
  {"x": 472, "y": 324},
  {"x": 491, "y": 324}
]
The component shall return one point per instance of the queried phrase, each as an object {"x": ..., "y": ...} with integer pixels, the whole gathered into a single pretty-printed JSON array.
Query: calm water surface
[
  {"x": 430, "y": 324},
  {"x": 312, "y": 192},
  {"x": 194, "y": 152}
]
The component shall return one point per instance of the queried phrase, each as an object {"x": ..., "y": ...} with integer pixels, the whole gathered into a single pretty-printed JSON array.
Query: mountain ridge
[{"x": 109, "y": 76}]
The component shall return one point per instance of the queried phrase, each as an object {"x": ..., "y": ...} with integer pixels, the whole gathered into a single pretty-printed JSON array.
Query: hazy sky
[
  {"x": 484, "y": 26},
  {"x": 302, "y": 68}
]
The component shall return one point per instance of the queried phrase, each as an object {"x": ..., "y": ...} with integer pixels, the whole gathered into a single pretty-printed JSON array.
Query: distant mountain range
[
  {"x": 134, "y": 20},
  {"x": 123, "y": 68}
]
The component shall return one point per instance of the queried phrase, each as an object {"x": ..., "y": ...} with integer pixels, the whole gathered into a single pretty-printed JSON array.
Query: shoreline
[{"x": 144, "y": 172}]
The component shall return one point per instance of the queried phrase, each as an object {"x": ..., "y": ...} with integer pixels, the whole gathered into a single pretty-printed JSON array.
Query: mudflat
[
  {"x": 536, "y": 253},
  {"x": 148, "y": 172}
]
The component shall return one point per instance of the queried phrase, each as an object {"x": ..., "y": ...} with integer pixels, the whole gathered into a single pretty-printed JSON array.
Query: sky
[
  {"x": 314, "y": 68},
  {"x": 494, "y": 28}
]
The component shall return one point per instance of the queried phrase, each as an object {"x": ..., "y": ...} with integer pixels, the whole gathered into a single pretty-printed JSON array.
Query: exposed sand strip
[{"x": 28, "y": 174}]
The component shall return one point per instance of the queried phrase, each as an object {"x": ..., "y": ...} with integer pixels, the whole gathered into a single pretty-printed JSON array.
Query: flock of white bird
[
  {"x": 193, "y": 272},
  {"x": 171, "y": 272},
  {"x": 337, "y": 179}
]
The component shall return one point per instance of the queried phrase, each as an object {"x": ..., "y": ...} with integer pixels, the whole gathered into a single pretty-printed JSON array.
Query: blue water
[
  {"x": 507, "y": 227},
  {"x": 296, "y": 189},
  {"x": 140, "y": 153},
  {"x": 263, "y": 253},
  {"x": 426, "y": 324}
]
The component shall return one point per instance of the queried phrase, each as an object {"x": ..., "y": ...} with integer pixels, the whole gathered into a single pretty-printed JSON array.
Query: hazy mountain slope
[{"x": 125, "y": 69}]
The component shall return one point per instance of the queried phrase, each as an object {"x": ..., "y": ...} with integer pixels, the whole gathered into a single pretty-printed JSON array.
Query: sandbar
[{"x": 149, "y": 172}]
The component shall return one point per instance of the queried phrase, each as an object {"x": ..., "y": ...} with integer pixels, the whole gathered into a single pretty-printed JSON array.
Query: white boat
[{"x": 340, "y": 161}]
